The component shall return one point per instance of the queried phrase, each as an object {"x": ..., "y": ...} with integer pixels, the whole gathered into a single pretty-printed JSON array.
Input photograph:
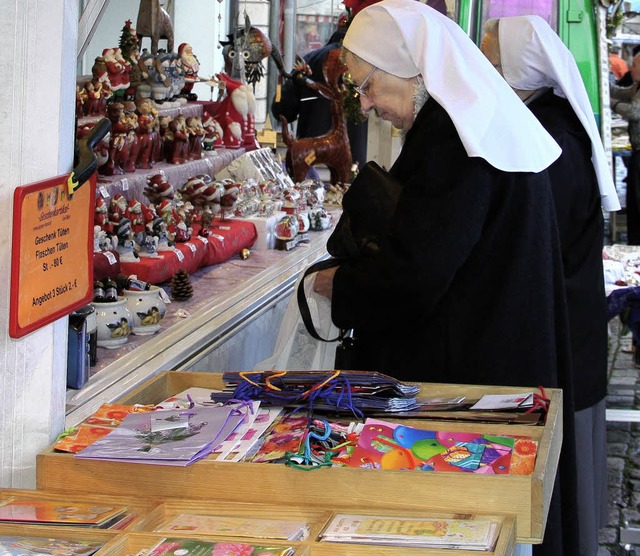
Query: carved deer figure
[
  {"x": 154, "y": 22},
  {"x": 332, "y": 148}
]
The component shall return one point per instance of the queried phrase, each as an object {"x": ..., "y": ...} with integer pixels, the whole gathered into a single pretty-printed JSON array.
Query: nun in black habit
[{"x": 467, "y": 286}]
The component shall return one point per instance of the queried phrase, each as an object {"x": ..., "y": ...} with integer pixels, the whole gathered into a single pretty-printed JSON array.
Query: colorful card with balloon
[{"x": 386, "y": 445}]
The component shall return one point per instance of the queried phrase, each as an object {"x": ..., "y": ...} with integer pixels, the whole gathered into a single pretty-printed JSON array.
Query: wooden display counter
[
  {"x": 150, "y": 525},
  {"x": 524, "y": 497},
  {"x": 228, "y": 300}
]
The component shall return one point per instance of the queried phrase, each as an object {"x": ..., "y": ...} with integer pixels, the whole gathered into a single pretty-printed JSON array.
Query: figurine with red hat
[
  {"x": 191, "y": 67},
  {"x": 158, "y": 188},
  {"x": 237, "y": 106}
]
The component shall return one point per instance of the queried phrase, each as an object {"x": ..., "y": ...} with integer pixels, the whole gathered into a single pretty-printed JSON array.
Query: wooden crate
[
  {"x": 524, "y": 497},
  {"x": 132, "y": 542},
  {"x": 104, "y": 536},
  {"x": 138, "y": 509}
]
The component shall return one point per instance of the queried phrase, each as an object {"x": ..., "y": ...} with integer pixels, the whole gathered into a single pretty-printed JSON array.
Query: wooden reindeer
[
  {"x": 154, "y": 21},
  {"x": 332, "y": 148}
]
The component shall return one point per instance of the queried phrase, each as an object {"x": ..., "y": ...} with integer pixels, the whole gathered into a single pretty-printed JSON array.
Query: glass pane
[
  {"x": 315, "y": 23},
  {"x": 546, "y": 9}
]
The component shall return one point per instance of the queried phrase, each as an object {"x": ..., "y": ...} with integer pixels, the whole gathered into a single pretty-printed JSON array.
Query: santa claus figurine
[
  {"x": 213, "y": 133},
  {"x": 190, "y": 66},
  {"x": 101, "y": 216},
  {"x": 239, "y": 106},
  {"x": 158, "y": 188}
]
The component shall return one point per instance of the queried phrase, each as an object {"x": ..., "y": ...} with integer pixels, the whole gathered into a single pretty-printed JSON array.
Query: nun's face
[
  {"x": 390, "y": 96},
  {"x": 490, "y": 47}
]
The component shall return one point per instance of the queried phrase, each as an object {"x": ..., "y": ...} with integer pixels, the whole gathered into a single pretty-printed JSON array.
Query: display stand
[
  {"x": 227, "y": 300},
  {"x": 145, "y": 529},
  {"x": 526, "y": 498}
]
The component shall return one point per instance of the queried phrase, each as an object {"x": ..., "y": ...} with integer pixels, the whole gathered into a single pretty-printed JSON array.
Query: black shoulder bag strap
[{"x": 302, "y": 298}]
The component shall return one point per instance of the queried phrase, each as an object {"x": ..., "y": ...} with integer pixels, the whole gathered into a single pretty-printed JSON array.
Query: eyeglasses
[{"x": 362, "y": 88}]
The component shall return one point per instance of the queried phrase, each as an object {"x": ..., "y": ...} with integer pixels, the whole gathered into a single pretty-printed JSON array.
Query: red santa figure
[
  {"x": 117, "y": 209},
  {"x": 158, "y": 188},
  {"x": 211, "y": 133},
  {"x": 115, "y": 70},
  {"x": 232, "y": 133},
  {"x": 125, "y": 81},
  {"x": 168, "y": 213},
  {"x": 240, "y": 104},
  {"x": 190, "y": 66},
  {"x": 101, "y": 217},
  {"x": 134, "y": 213},
  {"x": 196, "y": 133}
]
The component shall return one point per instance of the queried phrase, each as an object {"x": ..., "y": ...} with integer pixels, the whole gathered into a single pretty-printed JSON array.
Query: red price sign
[{"x": 52, "y": 253}]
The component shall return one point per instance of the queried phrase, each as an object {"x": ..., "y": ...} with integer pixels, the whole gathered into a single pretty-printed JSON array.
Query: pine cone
[{"x": 181, "y": 288}]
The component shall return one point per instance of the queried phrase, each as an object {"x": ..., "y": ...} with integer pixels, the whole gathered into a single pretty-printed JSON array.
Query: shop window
[{"x": 546, "y": 9}]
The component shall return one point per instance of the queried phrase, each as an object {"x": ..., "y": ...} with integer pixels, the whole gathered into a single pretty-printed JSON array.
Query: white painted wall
[{"x": 38, "y": 41}]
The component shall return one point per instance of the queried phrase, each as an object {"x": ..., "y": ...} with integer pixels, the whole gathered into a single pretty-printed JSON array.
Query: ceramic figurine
[
  {"x": 160, "y": 231},
  {"x": 191, "y": 67},
  {"x": 320, "y": 219},
  {"x": 99, "y": 88},
  {"x": 134, "y": 213},
  {"x": 146, "y": 69},
  {"x": 180, "y": 146},
  {"x": 131, "y": 119},
  {"x": 166, "y": 137},
  {"x": 125, "y": 73},
  {"x": 101, "y": 216},
  {"x": 126, "y": 244},
  {"x": 119, "y": 143},
  {"x": 154, "y": 22},
  {"x": 332, "y": 147},
  {"x": 160, "y": 86},
  {"x": 130, "y": 52},
  {"x": 212, "y": 132},
  {"x": 144, "y": 132},
  {"x": 158, "y": 188},
  {"x": 149, "y": 247},
  {"x": 81, "y": 101},
  {"x": 117, "y": 209},
  {"x": 196, "y": 136},
  {"x": 115, "y": 71}
]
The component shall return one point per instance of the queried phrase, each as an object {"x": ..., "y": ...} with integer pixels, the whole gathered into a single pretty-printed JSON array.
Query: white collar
[{"x": 532, "y": 56}]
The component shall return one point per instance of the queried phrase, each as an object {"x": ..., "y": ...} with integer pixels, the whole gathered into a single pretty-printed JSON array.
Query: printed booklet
[{"x": 467, "y": 534}]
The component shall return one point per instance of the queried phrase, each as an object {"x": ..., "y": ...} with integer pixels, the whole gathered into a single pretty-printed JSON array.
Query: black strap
[{"x": 302, "y": 298}]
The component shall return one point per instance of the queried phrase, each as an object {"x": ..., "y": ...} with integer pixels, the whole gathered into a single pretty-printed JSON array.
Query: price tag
[
  {"x": 191, "y": 246},
  {"x": 110, "y": 257},
  {"x": 203, "y": 239},
  {"x": 163, "y": 294},
  {"x": 179, "y": 254},
  {"x": 310, "y": 158},
  {"x": 104, "y": 192}
]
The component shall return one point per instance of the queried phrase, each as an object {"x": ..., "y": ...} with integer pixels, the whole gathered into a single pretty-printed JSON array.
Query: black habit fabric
[
  {"x": 581, "y": 225},
  {"x": 468, "y": 286}
]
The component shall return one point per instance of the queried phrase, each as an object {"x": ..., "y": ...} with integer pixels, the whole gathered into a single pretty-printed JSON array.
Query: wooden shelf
[{"x": 146, "y": 529}]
